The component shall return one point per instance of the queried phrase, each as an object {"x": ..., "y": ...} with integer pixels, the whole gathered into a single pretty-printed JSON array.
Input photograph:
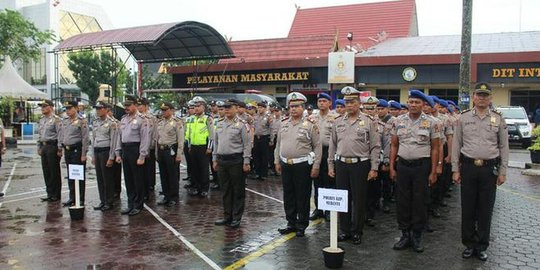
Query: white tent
[{"x": 12, "y": 85}]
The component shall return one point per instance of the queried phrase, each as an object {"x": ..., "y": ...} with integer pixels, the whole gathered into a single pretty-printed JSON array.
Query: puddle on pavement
[
  {"x": 260, "y": 214},
  {"x": 171, "y": 248}
]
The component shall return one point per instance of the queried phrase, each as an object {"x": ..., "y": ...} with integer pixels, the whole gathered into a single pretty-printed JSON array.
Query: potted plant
[{"x": 535, "y": 147}]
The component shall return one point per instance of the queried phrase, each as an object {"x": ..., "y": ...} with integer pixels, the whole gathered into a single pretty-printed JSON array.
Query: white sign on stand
[
  {"x": 333, "y": 199},
  {"x": 76, "y": 172}
]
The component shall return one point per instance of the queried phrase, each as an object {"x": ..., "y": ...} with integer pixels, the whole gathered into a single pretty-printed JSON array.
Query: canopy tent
[{"x": 12, "y": 85}]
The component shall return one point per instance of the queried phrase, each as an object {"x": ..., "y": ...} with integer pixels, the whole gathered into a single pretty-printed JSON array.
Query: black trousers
[
  {"x": 150, "y": 171},
  {"x": 50, "y": 164},
  {"x": 105, "y": 176},
  {"x": 117, "y": 168},
  {"x": 296, "y": 182},
  {"x": 233, "y": 182},
  {"x": 215, "y": 175},
  {"x": 373, "y": 197},
  {"x": 261, "y": 154},
  {"x": 133, "y": 176},
  {"x": 386, "y": 185},
  {"x": 323, "y": 181},
  {"x": 353, "y": 177},
  {"x": 74, "y": 157},
  {"x": 478, "y": 192},
  {"x": 169, "y": 172},
  {"x": 188, "y": 158},
  {"x": 199, "y": 167},
  {"x": 412, "y": 195},
  {"x": 271, "y": 150}
]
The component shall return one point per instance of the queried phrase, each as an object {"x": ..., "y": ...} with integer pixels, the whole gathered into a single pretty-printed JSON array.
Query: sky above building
[{"x": 257, "y": 19}]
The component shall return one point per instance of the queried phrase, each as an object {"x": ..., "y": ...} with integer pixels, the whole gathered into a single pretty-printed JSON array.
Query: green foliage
[
  {"x": 536, "y": 139},
  {"x": 19, "y": 38},
  {"x": 91, "y": 69}
]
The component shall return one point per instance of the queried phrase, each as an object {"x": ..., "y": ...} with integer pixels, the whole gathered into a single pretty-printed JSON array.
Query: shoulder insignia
[
  {"x": 497, "y": 112},
  {"x": 467, "y": 110},
  {"x": 370, "y": 117},
  {"x": 285, "y": 119},
  {"x": 221, "y": 119}
]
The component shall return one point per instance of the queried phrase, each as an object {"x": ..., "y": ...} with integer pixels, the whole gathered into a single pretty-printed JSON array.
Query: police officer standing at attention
[
  {"x": 385, "y": 127},
  {"x": 50, "y": 150},
  {"x": 353, "y": 158},
  {"x": 230, "y": 157},
  {"x": 75, "y": 141},
  {"x": 132, "y": 150},
  {"x": 117, "y": 167},
  {"x": 199, "y": 137},
  {"x": 297, "y": 158},
  {"x": 479, "y": 163},
  {"x": 170, "y": 144},
  {"x": 414, "y": 153},
  {"x": 262, "y": 141},
  {"x": 150, "y": 163},
  {"x": 104, "y": 138},
  {"x": 340, "y": 106},
  {"x": 325, "y": 121},
  {"x": 188, "y": 120}
]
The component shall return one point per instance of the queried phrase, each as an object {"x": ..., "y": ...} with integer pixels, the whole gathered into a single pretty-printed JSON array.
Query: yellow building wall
[{"x": 501, "y": 97}]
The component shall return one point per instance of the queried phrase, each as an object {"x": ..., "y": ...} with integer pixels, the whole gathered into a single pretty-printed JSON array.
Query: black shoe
[
  {"x": 327, "y": 216},
  {"x": 126, "y": 211},
  {"x": 193, "y": 192},
  {"x": 106, "y": 207},
  {"x": 44, "y": 199},
  {"x": 286, "y": 230},
  {"x": 164, "y": 202},
  {"x": 99, "y": 206},
  {"x": 386, "y": 208},
  {"x": 357, "y": 239},
  {"x": 404, "y": 242},
  {"x": 300, "y": 233},
  {"x": 203, "y": 194},
  {"x": 222, "y": 222},
  {"x": 467, "y": 253},
  {"x": 53, "y": 199},
  {"x": 134, "y": 212},
  {"x": 234, "y": 224},
  {"x": 435, "y": 213},
  {"x": 370, "y": 222},
  {"x": 417, "y": 242},
  {"x": 171, "y": 203},
  {"x": 316, "y": 214},
  {"x": 343, "y": 237},
  {"x": 186, "y": 178},
  {"x": 1, "y": 194},
  {"x": 482, "y": 255},
  {"x": 68, "y": 203}
]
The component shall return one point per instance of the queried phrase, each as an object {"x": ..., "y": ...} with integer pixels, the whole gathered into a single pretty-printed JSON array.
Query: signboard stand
[
  {"x": 76, "y": 172},
  {"x": 333, "y": 200}
]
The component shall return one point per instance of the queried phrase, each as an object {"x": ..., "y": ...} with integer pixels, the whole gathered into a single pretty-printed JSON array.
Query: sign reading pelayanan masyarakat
[{"x": 333, "y": 199}]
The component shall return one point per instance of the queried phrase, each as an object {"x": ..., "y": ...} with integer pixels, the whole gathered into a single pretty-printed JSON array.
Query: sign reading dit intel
[{"x": 520, "y": 72}]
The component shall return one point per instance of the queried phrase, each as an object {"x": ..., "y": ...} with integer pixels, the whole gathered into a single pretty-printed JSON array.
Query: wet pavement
[{"x": 36, "y": 235}]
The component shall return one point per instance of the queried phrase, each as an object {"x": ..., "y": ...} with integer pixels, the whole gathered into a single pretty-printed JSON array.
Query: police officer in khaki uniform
[
  {"x": 385, "y": 127},
  {"x": 479, "y": 163},
  {"x": 230, "y": 158},
  {"x": 170, "y": 146},
  {"x": 353, "y": 158},
  {"x": 414, "y": 153},
  {"x": 117, "y": 167},
  {"x": 297, "y": 158},
  {"x": 75, "y": 141},
  {"x": 325, "y": 120},
  {"x": 104, "y": 138},
  {"x": 263, "y": 126},
  {"x": 340, "y": 106},
  {"x": 50, "y": 150},
  {"x": 395, "y": 108},
  {"x": 150, "y": 163},
  {"x": 132, "y": 149}
]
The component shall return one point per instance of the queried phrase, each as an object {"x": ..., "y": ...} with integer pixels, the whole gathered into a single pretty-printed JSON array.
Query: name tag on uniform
[
  {"x": 106, "y": 125},
  {"x": 134, "y": 121},
  {"x": 361, "y": 123}
]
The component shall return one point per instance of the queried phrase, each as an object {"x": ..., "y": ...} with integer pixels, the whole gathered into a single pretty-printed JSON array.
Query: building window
[
  {"x": 447, "y": 94},
  {"x": 388, "y": 94},
  {"x": 529, "y": 100}
]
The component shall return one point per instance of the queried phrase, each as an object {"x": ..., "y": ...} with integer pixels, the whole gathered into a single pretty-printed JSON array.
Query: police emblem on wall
[
  {"x": 409, "y": 74},
  {"x": 341, "y": 67}
]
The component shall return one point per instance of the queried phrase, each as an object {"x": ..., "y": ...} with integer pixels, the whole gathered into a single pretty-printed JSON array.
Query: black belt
[
  {"x": 479, "y": 162},
  {"x": 73, "y": 147},
  {"x": 130, "y": 144},
  {"x": 167, "y": 146},
  {"x": 101, "y": 149},
  {"x": 50, "y": 142},
  {"x": 230, "y": 157},
  {"x": 413, "y": 162}
]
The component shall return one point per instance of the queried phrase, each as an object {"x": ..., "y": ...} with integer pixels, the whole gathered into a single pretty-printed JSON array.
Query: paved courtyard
[{"x": 36, "y": 235}]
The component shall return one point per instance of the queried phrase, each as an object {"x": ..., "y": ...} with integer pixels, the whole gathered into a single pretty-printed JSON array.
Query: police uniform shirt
[
  {"x": 481, "y": 138},
  {"x": 170, "y": 131},
  {"x": 246, "y": 118},
  {"x": 357, "y": 139},
  {"x": 232, "y": 137},
  {"x": 447, "y": 128},
  {"x": 105, "y": 134},
  {"x": 152, "y": 123},
  {"x": 50, "y": 127},
  {"x": 325, "y": 124},
  {"x": 297, "y": 140},
  {"x": 385, "y": 129},
  {"x": 134, "y": 129},
  {"x": 262, "y": 124},
  {"x": 75, "y": 131},
  {"x": 276, "y": 123},
  {"x": 415, "y": 135}
]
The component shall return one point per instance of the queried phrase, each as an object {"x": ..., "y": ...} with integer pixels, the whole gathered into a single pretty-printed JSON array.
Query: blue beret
[
  {"x": 450, "y": 109},
  {"x": 394, "y": 104},
  {"x": 435, "y": 99},
  {"x": 414, "y": 93},
  {"x": 324, "y": 95},
  {"x": 404, "y": 106},
  {"x": 440, "y": 101},
  {"x": 382, "y": 103},
  {"x": 340, "y": 102},
  {"x": 451, "y": 103}
]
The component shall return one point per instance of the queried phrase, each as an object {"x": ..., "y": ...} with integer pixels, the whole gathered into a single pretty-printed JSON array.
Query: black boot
[
  {"x": 416, "y": 240},
  {"x": 404, "y": 241}
]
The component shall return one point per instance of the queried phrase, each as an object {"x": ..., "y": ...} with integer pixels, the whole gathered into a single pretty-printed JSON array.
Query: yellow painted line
[
  {"x": 519, "y": 194},
  {"x": 267, "y": 248}
]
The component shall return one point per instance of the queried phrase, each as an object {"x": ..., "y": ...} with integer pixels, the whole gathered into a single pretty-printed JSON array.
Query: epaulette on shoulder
[
  {"x": 311, "y": 120},
  {"x": 338, "y": 116},
  {"x": 497, "y": 112},
  {"x": 465, "y": 111},
  {"x": 370, "y": 117},
  {"x": 124, "y": 116},
  {"x": 285, "y": 119}
]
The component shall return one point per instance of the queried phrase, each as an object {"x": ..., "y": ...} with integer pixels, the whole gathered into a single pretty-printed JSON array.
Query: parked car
[
  {"x": 238, "y": 96},
  {"x": 519, "y": 127}
]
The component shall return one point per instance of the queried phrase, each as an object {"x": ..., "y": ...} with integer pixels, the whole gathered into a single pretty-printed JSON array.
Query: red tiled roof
[
  {"x": 280, "y": 49},
  {"x": 396, "y": 18}
]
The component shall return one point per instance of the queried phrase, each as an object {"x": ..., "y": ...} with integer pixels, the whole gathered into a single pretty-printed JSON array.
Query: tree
[
  {"x": 20, "y": 38},
  {"x": 91, "y": 69}
]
